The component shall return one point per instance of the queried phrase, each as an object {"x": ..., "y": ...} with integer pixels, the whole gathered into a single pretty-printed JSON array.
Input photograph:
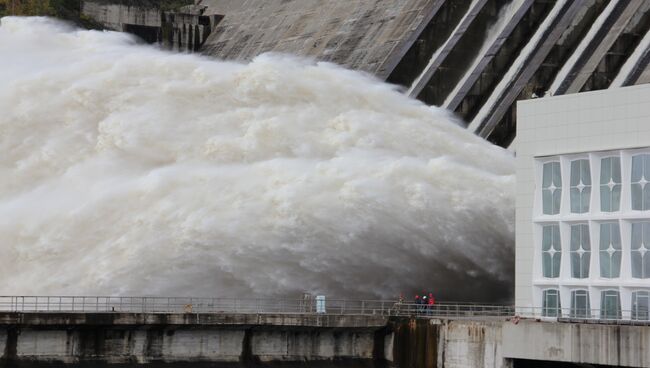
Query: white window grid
[{"x": 627, "y": 286}]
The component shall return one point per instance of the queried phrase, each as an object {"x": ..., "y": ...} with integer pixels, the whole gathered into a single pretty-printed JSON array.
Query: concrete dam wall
[
  {"x": 251, "y": 340},
  {"x": 226, "y": 339},
  {"x": 476, "y": 58}
]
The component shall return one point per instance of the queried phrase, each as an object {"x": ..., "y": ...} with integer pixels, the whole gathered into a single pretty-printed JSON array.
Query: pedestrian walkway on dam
[
  {"x": 91, "y": 331},
  {"x": 445, "y": 310},
  {"x": 111, "y": 304}
]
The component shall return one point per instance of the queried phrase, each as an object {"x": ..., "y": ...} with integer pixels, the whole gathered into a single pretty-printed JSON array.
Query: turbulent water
[{"x": 128, "y": 170}]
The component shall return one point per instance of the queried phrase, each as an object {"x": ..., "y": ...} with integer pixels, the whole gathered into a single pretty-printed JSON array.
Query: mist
[{"x": 128, "y": 170}]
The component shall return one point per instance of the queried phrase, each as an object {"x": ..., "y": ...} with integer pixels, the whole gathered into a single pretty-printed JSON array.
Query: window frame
[
  {"x": 580, "y": 187},
  {"x": 642, "y": 254},
  {"x": 610, "y": 254},
  {"x": 552, "y": 254},
  {"x": 614, "y": 184},
  {"x": 645, "y": 294},
  {"x": 580, "y": 253},
  {"x": 555, "y": 186},
  {"x": 557, "y": 309},
  {"x": 574, "y": 310},
  {"x": 642, "y": 181},
  {"x": 604, "y": 312}
]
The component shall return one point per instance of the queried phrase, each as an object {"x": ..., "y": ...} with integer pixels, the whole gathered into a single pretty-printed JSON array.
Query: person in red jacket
[{"x": 430, "y": 302}]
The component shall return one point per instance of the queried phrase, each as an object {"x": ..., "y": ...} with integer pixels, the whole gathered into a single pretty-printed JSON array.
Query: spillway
[
  {"x": 464, "y": 55},
  {"x": 130, "y": 170},
  {"x": 512, "y": 14}
]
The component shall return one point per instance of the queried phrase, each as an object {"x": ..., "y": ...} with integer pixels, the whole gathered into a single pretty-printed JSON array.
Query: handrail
[
  {"x": 131, "y": 304},
  {"x": 134, "y": 304}
]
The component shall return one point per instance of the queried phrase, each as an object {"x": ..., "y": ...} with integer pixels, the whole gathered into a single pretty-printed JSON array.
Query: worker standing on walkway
[
  {"x": 430, "y": 301},
  {"x": 424, "y": 303}
]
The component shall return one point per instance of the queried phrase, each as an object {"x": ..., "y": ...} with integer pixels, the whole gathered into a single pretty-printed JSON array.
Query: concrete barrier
[
  {"x": 286, "y": 340},
  {"x": 225, "y": 339}
]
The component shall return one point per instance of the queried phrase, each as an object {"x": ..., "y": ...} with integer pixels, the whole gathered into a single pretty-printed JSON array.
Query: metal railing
[
  {"x": 108, "y": 304},
  {"x": 582, "y": 315}
]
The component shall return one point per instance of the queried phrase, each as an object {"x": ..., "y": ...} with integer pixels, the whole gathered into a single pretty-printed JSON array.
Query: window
[
  {"x": 580, "y": 186},
  {"x": 551, "y": 251},
  {"x": 610, "y": 184},
  {"x": 580, "y": 251},
  {"x": 640, "y": 305},
  {"x": 551, "y": 306},
  {"x": 610, "y": 304},
  {"x": 640, "y": 174},
  {"x": 610, "y": 250},
  {"x": 551, "y": 188},
  {"x": 580, "y": 304},
  {"x": 565, "y": 221},
  {"x": 639, "y": 249}
]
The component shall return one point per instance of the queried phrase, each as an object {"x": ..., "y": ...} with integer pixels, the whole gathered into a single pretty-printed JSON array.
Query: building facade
[{"x": 583, "y": 205}]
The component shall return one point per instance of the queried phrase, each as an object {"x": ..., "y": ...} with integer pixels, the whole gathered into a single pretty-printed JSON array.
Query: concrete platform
[{"x": 287, "y": 340}]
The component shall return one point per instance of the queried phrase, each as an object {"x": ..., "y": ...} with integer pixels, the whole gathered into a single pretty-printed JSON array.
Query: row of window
[
  {"x": 610, "y": 305},
  {"x": 609, "y": 250},
  {"x": 609, "y": 185}
]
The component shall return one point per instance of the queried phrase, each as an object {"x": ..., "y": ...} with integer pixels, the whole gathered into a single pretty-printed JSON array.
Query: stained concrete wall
[
  {"x": 114, "y": 16},
  {"x": 119, "y": 345},
  {"x": 185, "y": 29},
  {"x": 473, "y": 344},
  {"x": 246, "y": 339},
  {"x": 578, "y": 343},
  {"x": 424, "y": 343},
  {"x": 360, "y": 34},
  {"x": 313, "y": 340}
]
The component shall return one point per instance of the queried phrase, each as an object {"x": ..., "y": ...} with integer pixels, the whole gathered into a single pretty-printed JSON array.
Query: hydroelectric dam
[
  {"x": 474, "y": 57},
  {"x": 341, "y": 180}
]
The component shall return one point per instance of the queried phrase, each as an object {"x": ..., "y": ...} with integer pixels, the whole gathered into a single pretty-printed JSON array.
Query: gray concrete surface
[
  {"x": 172, "y": 319},
  {"x": 330, "y": 340},
  {"x": 364, "y": 35},
  {"x": 248, "y": 339},
  {"x": 613, "y": 345},
  {"x": 396, "y": 40},
  {"x": 114, "y": 16}
]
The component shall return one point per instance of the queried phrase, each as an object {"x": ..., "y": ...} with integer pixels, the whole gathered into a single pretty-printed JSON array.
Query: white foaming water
[{"x": 128, "y": 170}]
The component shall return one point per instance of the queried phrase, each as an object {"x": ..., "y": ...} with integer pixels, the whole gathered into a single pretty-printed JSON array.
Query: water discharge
[{"x": 128, "y": 170}]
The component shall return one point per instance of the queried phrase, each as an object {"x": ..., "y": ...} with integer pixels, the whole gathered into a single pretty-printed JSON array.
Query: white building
[{"x": 583, "y": 205}]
